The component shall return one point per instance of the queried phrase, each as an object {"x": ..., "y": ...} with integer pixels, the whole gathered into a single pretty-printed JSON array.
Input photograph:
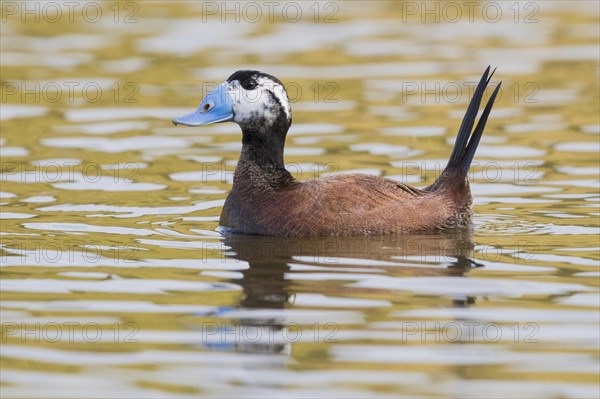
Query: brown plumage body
[{"x": 274, "y": 203}]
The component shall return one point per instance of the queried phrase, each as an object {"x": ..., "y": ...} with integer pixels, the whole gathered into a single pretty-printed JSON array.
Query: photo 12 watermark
[
  {"x": 518, "y": 172},
  {"x": 317, "y": 92},
  {"x": 62, "y": 253},
  {"x": 468, "y": 332},
  {"x": 469, "y": 11},
  {"x": 71, "y": 92},
  {"x": 71, "y": 12},
  {"x": 65, "y": 170},
  {"x": 452, "y": 92},
  {"x": 69, "y": 332},
  {"x": 270, "y": 11},
  {"x": 287, "y": 332}
]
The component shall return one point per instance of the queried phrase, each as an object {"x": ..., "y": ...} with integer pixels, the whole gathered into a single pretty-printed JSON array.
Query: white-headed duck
[{"x": 267, "y": 200}]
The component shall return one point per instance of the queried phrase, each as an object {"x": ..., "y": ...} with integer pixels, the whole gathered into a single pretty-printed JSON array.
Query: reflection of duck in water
[
  {"x": 267, "y": 200},
  {"x": 269, "y": 285}
]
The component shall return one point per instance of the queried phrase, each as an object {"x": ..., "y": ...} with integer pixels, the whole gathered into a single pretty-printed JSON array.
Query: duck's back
[{"x": 341, "y": 205}]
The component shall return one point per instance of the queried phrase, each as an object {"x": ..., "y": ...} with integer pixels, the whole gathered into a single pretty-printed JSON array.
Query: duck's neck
[
  {"x": 261, "y": 159},
  {"x": 265, "y": 150}
]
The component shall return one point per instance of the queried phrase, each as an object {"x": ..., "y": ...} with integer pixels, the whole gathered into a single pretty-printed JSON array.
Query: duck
[{"x": 267, "y": 200}]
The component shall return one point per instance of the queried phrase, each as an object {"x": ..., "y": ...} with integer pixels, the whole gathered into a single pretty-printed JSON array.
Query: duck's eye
[
  {"x": 207, "y": 107},
  {"x": 249, "y": 84}
]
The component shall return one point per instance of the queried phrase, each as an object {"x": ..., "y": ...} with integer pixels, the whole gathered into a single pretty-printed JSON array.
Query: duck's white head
[{"x": 249, "y": 98}]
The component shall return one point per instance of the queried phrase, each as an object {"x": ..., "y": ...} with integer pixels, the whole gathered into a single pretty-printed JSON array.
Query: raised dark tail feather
[{"x": 468, "y": 139}]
